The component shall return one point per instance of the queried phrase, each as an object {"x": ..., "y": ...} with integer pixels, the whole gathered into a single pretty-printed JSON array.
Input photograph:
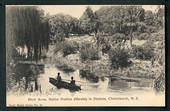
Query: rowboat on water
[{"x": 63, "y": 84}]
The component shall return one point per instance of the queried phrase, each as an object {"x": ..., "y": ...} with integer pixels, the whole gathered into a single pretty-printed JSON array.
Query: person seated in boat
[
  {"x": 72, "y": 81},
  {"x": 59, "y": 77}
]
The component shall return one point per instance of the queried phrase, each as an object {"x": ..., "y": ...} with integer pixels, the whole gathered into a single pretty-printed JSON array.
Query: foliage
[
  {"x": 89, "y": 76},
  {"x": 151, "y": 29},
  {"x": 159, "y": 83},
  {"x": 141, "y": 27},
  {"x": 89, "y": 21},
  {"x": 160, "y": 17},
  {"x": 149, "y": 18},
  {"x": 65, "y": 68},
  {"x": 155, "y": 20},
  {"x": 143, "y": 36},
  {"x": 106, "y": 42},
  {"x": 121, "y": 19},
  {"x": 62, "y": 25},
  {"x": 144, "y": 52},
  {"x": 117, "y": 38},
  {"x": 63, "y": 65},
  {"x": 89, "y": 52},
  {"x": 70, "y": 48},
  {"x": 111, "y": 19},
  {"x": 27, "y": 26},
  {"x": 119, "y": 58},
  {"x": 103, "y": 42}
]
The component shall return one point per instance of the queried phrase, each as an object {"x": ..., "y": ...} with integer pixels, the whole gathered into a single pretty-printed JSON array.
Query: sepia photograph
[{"x": 85, "y": 55}]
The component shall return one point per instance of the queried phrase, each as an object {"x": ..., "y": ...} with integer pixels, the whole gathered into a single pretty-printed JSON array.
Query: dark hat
[
  {"x": 58, "y": 73},
  {"x": 72, "y": 77}
]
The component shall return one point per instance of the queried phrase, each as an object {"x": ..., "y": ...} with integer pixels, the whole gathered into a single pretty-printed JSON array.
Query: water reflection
[{"x": 37, "y": 79}]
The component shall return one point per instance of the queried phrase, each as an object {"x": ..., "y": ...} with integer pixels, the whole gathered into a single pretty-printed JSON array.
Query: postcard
[{"x": 85, "y": 55}]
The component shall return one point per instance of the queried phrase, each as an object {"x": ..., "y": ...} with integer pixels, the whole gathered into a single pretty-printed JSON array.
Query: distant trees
[
  {"x": 126, "y": 20},
  {"x": 89, "y": 21},
  {"x": 134, "y": 15},
  {"x": 121, "y": 19},
  {"x": 27, "y": 26},
  {"x": 31, "y": 28},
  {"x": 111, "y": 19},
  {"x": 160, "y": 16},
  {"x": 62, "y": 25},
  {"x": 129, "y": 20}
]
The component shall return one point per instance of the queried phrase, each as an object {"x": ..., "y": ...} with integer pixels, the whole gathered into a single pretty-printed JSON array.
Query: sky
[{"x": 77, "y": 10}]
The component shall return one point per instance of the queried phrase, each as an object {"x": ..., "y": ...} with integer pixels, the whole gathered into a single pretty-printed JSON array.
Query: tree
[
  {"x": 134, "y": 15},
  {"x": 149, "y": 18},
  {"x": 111, "y": 19},
  {"x": 26, "y": 26},
  {"x": 160, "y": 16},
  {"x": 62, "y": 25},
  {"x": 89, "y": 21},
  {"x": 121, "y": 19}
]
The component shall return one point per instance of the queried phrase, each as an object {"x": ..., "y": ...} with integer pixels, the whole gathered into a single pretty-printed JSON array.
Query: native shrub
[{"x": 119, "y": 58}]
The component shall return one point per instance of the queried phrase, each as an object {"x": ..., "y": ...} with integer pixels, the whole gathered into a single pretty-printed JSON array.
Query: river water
[
  {"x": 106, "y": 86},
  {"x": 141, "y": 93}
]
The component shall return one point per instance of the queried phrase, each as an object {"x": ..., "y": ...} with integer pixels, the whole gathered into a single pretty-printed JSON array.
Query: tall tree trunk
[{"x": 36, "y": 84}]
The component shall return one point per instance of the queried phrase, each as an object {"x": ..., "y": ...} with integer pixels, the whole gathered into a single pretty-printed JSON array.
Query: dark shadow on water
[
  {"x": 120, "y": 84},
  {"x": 26, "y": 76}
]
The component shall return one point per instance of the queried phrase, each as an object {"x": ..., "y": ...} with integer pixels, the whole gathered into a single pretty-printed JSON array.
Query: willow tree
[{"x": 27, "y": 26}]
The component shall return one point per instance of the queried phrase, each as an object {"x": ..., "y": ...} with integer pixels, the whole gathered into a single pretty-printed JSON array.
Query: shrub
[
  {"x": 143, "y": 36},
  {"x": 89, "y": 76},
  {"x": 159, "y": 83},
  {"x": 107, "y": 41},
  {"x": 141, "y": 28},
  {"x": 69, "y": 48},
  {"x": 89, "y": 52},
  {"x": 158, "y": 36},
  {"x": 106, "y": 48},
  {"x": 103, "y": 41},
  {"x": 62, "y": 64},
  {"x": 117, "y": 37},
  {"x": 145, "y": 52},
  {"x": 151, "y": 29},
  {"x": 65, "y": 68},
  {"x": 119, "y": 58}
]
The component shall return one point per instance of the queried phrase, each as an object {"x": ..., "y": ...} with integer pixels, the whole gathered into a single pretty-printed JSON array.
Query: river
[
  {"x": 103, "y": 92},
  {"x": 106, "y": 86}
]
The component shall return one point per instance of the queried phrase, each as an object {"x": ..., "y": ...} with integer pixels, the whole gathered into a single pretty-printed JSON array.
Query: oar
[
  {"x": 75, "y": 80},
  {"x": 92, "y": 84}
]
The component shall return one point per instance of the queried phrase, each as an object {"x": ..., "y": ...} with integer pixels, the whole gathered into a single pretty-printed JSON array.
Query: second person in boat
[{"x": 72, "y": 81}]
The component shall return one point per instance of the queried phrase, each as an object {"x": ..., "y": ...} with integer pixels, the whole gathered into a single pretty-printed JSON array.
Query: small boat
[{"x": 63, "y": 84}]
